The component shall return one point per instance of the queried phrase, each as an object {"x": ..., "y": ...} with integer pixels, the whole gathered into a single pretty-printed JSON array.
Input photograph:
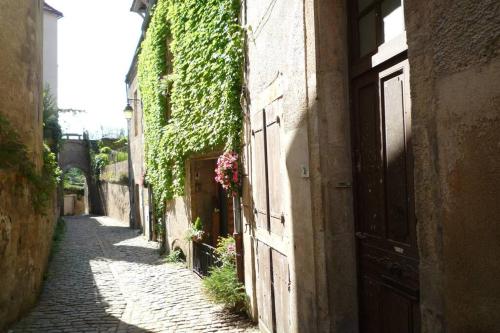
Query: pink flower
[{"x": 226, "y": 172}]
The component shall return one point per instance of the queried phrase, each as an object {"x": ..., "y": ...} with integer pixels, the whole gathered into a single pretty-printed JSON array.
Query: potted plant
[{"x": 195, "y": 232}]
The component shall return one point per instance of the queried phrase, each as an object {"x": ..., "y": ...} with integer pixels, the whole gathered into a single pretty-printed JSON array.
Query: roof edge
[
  {"x": 133, "y": 66},
  {"x": 48, "y": 8}
]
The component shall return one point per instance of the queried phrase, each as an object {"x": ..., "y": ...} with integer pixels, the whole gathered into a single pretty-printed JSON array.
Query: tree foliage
[
  {"x": 52, "y": 132},
  {"x": 191, "y": 104}
]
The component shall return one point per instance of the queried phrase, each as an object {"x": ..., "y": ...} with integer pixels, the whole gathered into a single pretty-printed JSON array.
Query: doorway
[
  {"x": 211, "y": 204},
  {"x": 387, "y": 254}
]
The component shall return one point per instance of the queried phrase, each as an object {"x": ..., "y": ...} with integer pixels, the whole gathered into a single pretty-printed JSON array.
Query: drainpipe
[{"x": 238, "y": 238}]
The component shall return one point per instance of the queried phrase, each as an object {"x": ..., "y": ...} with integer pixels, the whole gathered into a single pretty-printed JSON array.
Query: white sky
[{"x": 96, "y": 44}]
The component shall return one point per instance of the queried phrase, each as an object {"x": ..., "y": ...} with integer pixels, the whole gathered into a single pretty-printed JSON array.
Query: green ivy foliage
[
  {"x": 106, "y": 152},
  {"x": 14, "y": 156},
  {"x": 46, "y": 182},
  {"x": 191, "y": 105},
  {"x": 222, "y": 285}
]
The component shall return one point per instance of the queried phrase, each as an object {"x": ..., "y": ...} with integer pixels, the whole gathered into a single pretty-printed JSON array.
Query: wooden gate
[
  {"x": 384, "y": 204},
  {"x": 273, "y": 281}
]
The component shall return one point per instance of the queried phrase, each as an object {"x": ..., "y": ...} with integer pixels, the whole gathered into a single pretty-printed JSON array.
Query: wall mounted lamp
[{"x": 128, "y": 111}]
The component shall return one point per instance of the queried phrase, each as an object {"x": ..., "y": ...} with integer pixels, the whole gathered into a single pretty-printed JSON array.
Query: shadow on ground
[{"x": 81, "y": 293}]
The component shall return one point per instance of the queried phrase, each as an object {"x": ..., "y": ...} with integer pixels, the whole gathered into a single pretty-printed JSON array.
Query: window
[{"x": 378, "y": 22}]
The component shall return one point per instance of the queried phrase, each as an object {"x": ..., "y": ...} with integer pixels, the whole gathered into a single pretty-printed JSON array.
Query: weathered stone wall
[
  {"x": 454, "y": 50},
  {"x": 75, "y": 154},
  {"x": 454, "y": 54},
  {"x": 74, "y": 204},
  {"x": 280, "y": 78},
  {"x": 116, "y": 201},
  {"x": 114, "y": 172},
  {"x": 178, "y": 215},
  {"x": 329, "y": 116},
  {"x": 136, "y": 139},
  {"x": 114, "y": 191},
  {"x": 25, "y": 237}
]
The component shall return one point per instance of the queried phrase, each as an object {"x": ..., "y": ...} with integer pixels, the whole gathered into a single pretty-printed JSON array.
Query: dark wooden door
[{"x": 381, "y": 125}]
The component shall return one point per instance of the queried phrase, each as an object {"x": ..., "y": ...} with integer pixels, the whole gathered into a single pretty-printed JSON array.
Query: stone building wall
[
  {"x": 141, "y": 204},
  {"x": 116, "y": 201},
  {"x": 50, "y": 65},
  {"x": 297, "y": 63},
  {"x": 279, "y": 79},
  {"x": 114, "y": 193},
  {"x": 178, "y": 218},
  {"x": 114, "y": 171},
  {"x": 25, "y": 236},
  {"x": 454, "y": 54}
]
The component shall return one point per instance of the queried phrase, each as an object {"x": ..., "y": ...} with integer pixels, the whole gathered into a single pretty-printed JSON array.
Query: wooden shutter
[{"x": 272, "y": 264}]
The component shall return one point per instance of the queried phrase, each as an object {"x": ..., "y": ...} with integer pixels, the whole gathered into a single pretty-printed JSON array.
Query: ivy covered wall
[{"x": 192, "y": 103}]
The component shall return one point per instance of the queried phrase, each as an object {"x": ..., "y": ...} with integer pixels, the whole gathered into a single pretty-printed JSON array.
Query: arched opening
[{"x": 76, "y": 192}]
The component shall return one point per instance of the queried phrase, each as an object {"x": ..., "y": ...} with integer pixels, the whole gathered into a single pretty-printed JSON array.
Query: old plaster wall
[
  {"x": 281, "y": 76},
  {"x": 116, "y": 201},
  {"x": 454, "y": 54},
  {"x": 178, "y": 217},
  {"x": 115, "y": 172},
  {"x": 332, "y": 180},
  {"x": 75, "y": 154},
  {"x": 25, "y": 236},
  {"x": 136, "y": 139},
  {"x": 50, "y": 52},
  {"x": 115, "y": 192}
]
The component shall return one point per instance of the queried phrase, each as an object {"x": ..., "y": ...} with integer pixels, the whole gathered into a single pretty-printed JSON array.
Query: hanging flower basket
[{"x": 227, "y": 173}]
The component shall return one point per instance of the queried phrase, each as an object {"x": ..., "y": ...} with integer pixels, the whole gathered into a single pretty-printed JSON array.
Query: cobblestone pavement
[{"x": 106, "y": 278}]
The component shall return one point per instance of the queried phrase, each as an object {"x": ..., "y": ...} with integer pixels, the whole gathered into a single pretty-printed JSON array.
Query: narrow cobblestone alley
[{"x": 105, "y": 278}]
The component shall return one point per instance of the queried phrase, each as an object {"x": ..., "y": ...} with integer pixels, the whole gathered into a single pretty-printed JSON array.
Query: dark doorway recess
[
  {"x": 212, "y": 205},
  {"x": 387, "y": 256}
]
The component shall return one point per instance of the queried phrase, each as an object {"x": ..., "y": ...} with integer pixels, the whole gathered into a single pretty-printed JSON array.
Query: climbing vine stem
[{"x": 191, "y": 102}]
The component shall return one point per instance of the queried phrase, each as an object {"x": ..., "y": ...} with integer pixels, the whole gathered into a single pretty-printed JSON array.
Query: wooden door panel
[
  {"x": 369, "y": 306},
  {"x": 385, "y": 309},
  {"x": 259, "y": 171},
  {"x": 396, "y": 311},
  {"x": 264, "y": 286},
  {"x": 387, "y": 253},
  {"x": 383, "y": 160},
  {"x": 281, "y": 281},
  {"x": 369, "y": 159},
  {"x": 395, "y": 138},
  {"x": 273, "y": 138},
  {"x": 273, "y": 275},
  {"x": 385, "y": 227}
]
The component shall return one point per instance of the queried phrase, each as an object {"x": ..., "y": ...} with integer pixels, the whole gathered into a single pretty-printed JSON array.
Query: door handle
[
  {"x": 395, "y": 269},
  {"x": 361, "y": 235}
]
